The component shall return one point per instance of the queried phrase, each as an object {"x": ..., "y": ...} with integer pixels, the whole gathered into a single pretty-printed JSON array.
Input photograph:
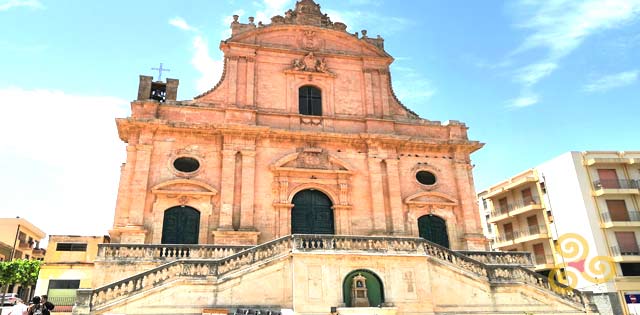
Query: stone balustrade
[
  {"x": 148, "y": 252},
  {"x": 387, "y": 245},
  {"x": 217, "y": 268},
  {"x": 500, "y": 258}
]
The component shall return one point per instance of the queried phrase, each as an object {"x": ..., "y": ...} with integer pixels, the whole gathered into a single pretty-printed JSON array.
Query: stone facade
[
  {"x": 303, "y": 109},
  {"x": 256, "y": 151}
]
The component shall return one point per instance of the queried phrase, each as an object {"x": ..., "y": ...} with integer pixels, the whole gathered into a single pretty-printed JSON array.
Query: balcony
[
  {"x": 504, "y": 240},
  {"x": 543, "y": 262},
  {"x": 632, "y": 221},
  {"x": 531, "y": 233},
  {"x": 615, "y": 186},
  {"x": 625, "y": 255},
  {"x": 521, "y": 206},
  {"x": 24, "y": 244}
]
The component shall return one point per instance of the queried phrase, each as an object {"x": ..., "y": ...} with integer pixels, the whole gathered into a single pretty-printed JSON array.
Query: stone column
[
  {"x": 248, "y": 190},
  {"x": 227, "y": 186},
  {"x": 377, "y": 198},
  {"x": 471, "y": 230},
  {"x": 395, "y": 197},
  {"x": 283, "y": 221},
  {"x": 139, "y": 184},
  {"x": 123, "y": 201},
  {"x": 232, "y": 79},
  {"x": 251, "y": 64}
]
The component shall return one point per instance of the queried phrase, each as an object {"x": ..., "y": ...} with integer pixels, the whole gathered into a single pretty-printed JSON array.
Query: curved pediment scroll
[
  {"x": 431, "y": 198},
  {"x": 311, "y": 159},
  {"x": 184, "y": 187}
]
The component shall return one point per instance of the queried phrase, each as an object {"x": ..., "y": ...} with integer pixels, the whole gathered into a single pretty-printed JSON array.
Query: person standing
[
  {"x": 36, "y": 306},
  {"x": 19, "y": 308},
  {"x": 47, "y": 306}
]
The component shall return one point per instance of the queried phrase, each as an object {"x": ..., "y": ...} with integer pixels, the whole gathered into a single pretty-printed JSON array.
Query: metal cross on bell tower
[{"x": 160, "y": 69}]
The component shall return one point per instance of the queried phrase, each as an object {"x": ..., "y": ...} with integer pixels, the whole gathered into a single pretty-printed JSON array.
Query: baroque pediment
[
  {"x": 184, "y": 187},
  {"x": 431, "y": 198},
  {"x": 311, "y": 159}
]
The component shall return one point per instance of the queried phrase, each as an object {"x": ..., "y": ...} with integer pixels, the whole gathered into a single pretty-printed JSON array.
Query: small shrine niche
[{"x": 359, "y": 297}]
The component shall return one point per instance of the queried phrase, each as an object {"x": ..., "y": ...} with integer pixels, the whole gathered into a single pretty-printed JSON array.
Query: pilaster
[
  {"x": 248, "y": 190},
  {"x": 139, "y": 184},
  {"x": 395, "y": 197},
  {"x": 227, "y": 186},
  {"x": 377, "y": 196}
]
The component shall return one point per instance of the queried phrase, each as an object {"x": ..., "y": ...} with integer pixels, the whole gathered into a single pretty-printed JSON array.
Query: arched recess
[
  {"x": 180, "y": 225},
  {"x": 187, "y": 193},
  {"x": 311, "y": 168},
  {"x": 312, "y": 213},
  {"x": 436, "y": 204},
  {"x": 375, "y": 288},
  {"x": 433, "y": 228}
]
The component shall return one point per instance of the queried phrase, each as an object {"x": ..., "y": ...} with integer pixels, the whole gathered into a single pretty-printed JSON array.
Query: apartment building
[
  {"x": 68, "y": 266},
  {"x": 22, "y": 237},
  {"x": 578, "y": 215}
]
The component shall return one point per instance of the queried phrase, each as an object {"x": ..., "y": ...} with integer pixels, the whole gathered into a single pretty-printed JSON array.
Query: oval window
[
  {"x": 426, "y": 178},
  {"x": 186, "y": 164}
]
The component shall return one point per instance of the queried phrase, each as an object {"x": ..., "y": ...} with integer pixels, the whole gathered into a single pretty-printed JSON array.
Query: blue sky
[{"x": 531, "y": 80}]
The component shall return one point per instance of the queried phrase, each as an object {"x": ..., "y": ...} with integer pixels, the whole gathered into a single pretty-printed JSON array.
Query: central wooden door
[
  {"x": 181, "y": 225},
  {"x": 311, "y": 213},
  {"x": 434, "y": 229}
]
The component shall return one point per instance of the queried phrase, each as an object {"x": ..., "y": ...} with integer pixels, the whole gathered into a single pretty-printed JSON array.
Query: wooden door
[
  {"x": 532, "y": 223},
  {"x": 617, "y": 210},
  {"x": 508, "y": 231},
  {"x": 434, "y": 229},
  {"x": 627, "y": 243},
  {"x": 608, "y": 178},
  {"x": 539, "y": 254},
  {"x": 181, "y": 225},
  {"x": 527, "y": 198},
  {"x": 312, "y": 213}
]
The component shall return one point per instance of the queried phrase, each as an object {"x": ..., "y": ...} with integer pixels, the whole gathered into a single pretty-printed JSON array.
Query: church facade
[{"x": 300, "y": 183}]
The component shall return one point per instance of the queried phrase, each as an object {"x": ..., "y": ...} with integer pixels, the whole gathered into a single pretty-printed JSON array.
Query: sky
[{"x": 531, "y": 79}]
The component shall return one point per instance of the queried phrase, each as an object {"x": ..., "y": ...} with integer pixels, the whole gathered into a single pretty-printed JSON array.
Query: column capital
[
  {"x": 228, "y": 152},
  {"x": 249, "y": 153}
]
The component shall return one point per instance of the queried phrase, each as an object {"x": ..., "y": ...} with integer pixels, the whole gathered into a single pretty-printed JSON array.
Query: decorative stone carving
[
  {"x": 310, "y": 41},
  {"x": 310, "y": 158},
  {"x": 311, "y": 64}
]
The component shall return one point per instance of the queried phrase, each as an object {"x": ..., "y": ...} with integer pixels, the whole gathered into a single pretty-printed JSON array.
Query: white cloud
[
  {"x": 210, "y": 69},
  {"x": 533, "y": 73},
  {"x": 63, "y": 149},
  {"x": 182, "y": 24},
  {"x": 612, "y": 81},
  {"x": 6, "y": 5},
  {"x": 410, "y": 86},
  {"x": 523, "y": 101},
  {"x": 353, "y": 19},
  {"x": 560, "y": 27}
]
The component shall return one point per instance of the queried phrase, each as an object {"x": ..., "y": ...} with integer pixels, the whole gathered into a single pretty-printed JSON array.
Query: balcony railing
[
  {"x": 616, "y": 251},
  {"x": 531, "y": 230},
  {"x": 505, "y": 237},
  {"x": 634, "y": 216},
  {"x": 512, "y": 206},
  {"x": 615, "y": 184},
  {"x": 543, "y": 259}
]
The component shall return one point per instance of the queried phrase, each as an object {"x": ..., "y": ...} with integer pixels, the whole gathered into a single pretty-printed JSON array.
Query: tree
[{"x": 19, "y": 271}]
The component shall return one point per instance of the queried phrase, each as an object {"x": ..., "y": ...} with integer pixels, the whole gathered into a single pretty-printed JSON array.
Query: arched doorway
[
  {"x": 311, "y": 213},
  {"x": 181, "y": 225},
  {"x": 375, "y": 290},
  {"x": 434, "y": 229}
]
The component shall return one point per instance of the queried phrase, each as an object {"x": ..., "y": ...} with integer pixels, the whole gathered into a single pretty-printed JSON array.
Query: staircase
[{"x": 243, "y": 261}]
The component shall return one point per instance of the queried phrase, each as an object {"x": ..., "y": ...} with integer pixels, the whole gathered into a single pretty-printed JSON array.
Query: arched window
[{"x": 310, "y": 101}]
